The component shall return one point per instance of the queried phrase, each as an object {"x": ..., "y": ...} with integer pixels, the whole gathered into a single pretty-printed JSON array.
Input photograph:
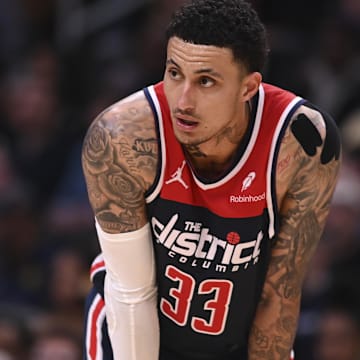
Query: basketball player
[{"x": 210, "y": 191}]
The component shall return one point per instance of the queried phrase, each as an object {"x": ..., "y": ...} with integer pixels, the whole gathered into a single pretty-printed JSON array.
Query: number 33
[{"x": 182, "y": 295}]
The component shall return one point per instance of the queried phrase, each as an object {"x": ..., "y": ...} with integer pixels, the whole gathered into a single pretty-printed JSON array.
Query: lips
[{"x": 186, "y": 123}]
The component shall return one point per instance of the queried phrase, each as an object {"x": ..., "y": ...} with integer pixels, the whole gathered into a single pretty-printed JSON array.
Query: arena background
[{"x": 63, "y": 61}]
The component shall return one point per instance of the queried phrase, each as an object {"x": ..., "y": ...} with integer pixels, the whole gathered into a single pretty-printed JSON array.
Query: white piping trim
[
  {"x": 269, "y": 196},
  {"x": 157, "y": 189},
  {"x": 247, "y": 152},
  {"x": 97, "y": 265}
]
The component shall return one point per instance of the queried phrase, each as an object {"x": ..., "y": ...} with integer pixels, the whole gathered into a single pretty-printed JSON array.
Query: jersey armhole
[
  {"x": 273, "y": 207},
  {"x": 154, "y": 103}
]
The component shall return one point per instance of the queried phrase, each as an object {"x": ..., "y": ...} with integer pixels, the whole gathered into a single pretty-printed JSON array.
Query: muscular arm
[
  {"x": 119, "y": 162},
  {"x": 307, "y": 172}
]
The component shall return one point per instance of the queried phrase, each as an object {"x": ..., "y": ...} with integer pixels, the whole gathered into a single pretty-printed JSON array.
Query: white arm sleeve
[{"x": 130, "y": 294}]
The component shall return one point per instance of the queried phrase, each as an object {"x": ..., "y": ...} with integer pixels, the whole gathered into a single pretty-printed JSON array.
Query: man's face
[{"x": 204, "y": 87}]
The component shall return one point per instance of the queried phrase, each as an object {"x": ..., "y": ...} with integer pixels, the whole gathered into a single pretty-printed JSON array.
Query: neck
[
  {"x": 213, "y": 158},
  {"x": 208, "y": 166}
]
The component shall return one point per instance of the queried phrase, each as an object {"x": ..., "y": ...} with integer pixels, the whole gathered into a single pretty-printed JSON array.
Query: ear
[{"x": 251, "y": 85}]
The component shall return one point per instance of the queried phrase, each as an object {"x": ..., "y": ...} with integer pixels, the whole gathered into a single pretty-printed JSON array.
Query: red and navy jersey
[{"x": 212, "y": 239}]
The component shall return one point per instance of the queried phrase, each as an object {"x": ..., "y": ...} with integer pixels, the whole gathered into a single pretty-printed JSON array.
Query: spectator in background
[
  {"x": 117, "y": 59},
  {"x": 35, "y": 133},
  {"x": 10, "y": 182},
  {"x": 330, "y": 73},
  {"x": 350, "y": 127},
  {"x": 56, "y": 344},
  {"x": 338, "y": 334},
  {"x": 21, "y": 266},
  {"x": 152, "y": 41},
  {"x": 20, "y": 269},
  {"x": 67, "y": 286},
  {"x": 13, "y": 35},
  {"x": 14, "y": 336}
]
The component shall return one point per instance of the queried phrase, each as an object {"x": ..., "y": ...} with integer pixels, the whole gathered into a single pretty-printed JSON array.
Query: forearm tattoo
[{"x": 303, "y": 218}]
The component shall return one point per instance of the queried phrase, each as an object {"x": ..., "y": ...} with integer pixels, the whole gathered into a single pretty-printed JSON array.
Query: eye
[
  {"x": 206, "y": 81},
  {"x": 173, "y": 73}
]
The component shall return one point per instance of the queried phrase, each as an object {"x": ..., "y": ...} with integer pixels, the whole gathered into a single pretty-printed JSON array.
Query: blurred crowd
[{"x": 61, "y": 63}]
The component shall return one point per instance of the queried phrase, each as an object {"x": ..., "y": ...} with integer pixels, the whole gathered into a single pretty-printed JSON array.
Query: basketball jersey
[{"x": 212, "y": 239}]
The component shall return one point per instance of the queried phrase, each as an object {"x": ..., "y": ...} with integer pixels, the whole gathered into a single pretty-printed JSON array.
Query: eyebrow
[{"x": 200, "y": 71}]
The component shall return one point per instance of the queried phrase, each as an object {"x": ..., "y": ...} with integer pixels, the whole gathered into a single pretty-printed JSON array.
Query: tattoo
[
  {"x": 194, "y": 150},
  {"x": 145, "y": 147},
  {"x": 283, "y": 164},
  {"x": 125, "y": 154},
  {"x": 261, "y": 340},
  {"x": 231, "y": 135},
  {"x": 119, "y": 161},
  {"x": 264, "y": 342},
  {"x": 303, "y": 214}
]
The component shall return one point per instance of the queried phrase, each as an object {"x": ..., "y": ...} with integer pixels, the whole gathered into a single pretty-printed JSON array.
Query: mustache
[{"x": 191, "y": 113}]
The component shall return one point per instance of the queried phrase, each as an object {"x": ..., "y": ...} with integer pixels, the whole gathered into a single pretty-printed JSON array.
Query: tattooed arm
[
  {"x": 305, "y": 183},
  {"x": 119, "y": 161}
]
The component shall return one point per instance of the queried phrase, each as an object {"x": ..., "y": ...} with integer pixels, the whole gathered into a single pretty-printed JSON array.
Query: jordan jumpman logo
[{"x": 176, "y": 176}]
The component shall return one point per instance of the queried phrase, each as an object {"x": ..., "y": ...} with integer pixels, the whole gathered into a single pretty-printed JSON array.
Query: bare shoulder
[{"x": 119, "y": 160}]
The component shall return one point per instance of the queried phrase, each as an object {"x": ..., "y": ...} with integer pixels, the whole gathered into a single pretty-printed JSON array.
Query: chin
[{"x": 187, "y": 141}]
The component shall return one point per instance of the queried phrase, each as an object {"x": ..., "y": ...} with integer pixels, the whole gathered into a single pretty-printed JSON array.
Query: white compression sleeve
[{"x": 130, "y": 294}]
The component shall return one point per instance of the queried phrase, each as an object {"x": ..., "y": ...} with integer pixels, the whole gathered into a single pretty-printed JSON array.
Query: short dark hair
[{"x": 232, "y": 24}]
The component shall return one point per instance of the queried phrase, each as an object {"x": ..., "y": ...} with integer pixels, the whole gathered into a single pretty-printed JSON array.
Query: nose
[{"x": 186, "y": 100}]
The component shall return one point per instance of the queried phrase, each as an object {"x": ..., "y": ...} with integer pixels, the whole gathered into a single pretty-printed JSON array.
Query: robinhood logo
[
  {"x": 248, "y": 181},
  {"x": 247, "y": 198}
]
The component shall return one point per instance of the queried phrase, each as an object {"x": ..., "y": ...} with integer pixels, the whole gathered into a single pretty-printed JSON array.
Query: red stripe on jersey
[
  {"x": 94, "y": 318},
  {"x": 95, "y": 267}
]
